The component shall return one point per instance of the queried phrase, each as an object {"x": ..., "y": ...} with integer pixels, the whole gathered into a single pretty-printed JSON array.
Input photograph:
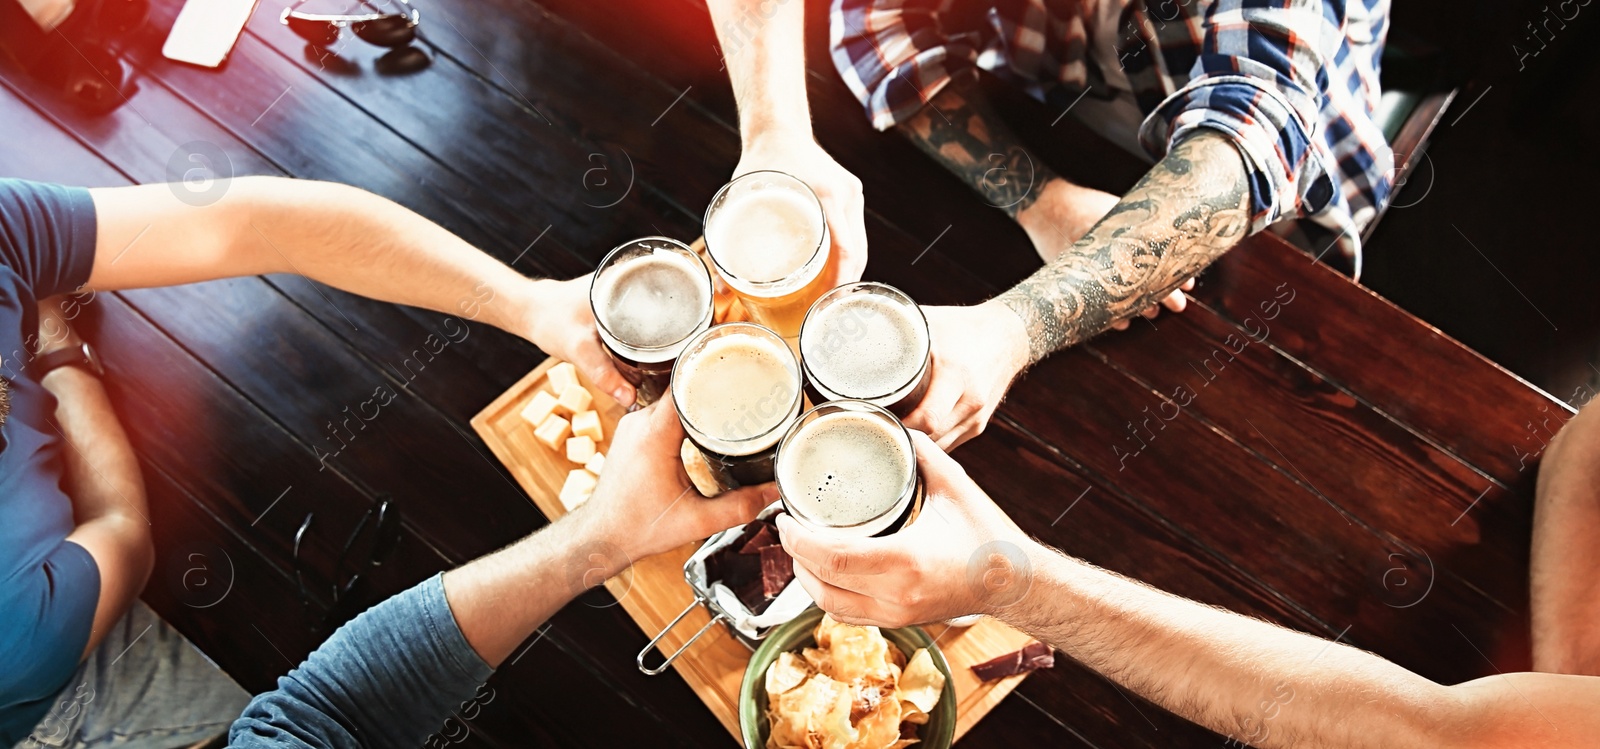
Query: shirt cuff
[{"x": 1288, "y": 175}]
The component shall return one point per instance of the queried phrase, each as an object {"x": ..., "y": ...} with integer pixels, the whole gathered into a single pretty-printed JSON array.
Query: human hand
[
  {"x": 561, "y": 322},
  {"x": 1175, "y": 301},
  {"x": 961, "y": 556},
  {"x": 977, "y": 352},
  {"x": 837, "y": 189},
  {"x": 1064, "y": 214},
  {"x": 644, "y": 504}
]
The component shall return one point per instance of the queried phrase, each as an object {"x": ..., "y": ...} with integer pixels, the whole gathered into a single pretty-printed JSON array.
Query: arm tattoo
[
  {"x": 962, "y": 132},
  {"x": 1186, "y": 211}
]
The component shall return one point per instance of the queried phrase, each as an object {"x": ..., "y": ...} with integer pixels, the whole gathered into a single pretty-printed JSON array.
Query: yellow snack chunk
[
  {"x": 595, "y": 462},
  {"x": 562, "y": 376},
  {"x": 575, "y": 399},
  {"x": 540, "y": 408},
  {"x": 552, "y": 431},
  {"x": 577, "y": 488},
  {"x": 580, "y": 449},
  {"x": 587, "y": 423}
]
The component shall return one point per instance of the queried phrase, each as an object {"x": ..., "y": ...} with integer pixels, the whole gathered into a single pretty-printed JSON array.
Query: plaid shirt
[{"x": 1292, "y": 83}]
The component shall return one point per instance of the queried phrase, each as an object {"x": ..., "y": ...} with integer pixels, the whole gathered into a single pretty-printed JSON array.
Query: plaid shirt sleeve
[
  {"x": 895, "y": 57},
  {"x": 1259, "y": 79}
]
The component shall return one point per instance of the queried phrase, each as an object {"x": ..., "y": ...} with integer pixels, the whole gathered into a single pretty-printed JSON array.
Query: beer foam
[
  {"x": 845, "y": 468},
  {"x": 864, "y": 346},
  {"x": 737, "y": 388},
  {"x": 765, "y": 234},
  {"x": 652, "y": 301}
]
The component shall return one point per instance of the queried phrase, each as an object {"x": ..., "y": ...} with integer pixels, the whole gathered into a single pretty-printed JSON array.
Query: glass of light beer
[
  {"x": 768, "y": 238},
  {"x": 866, "y": 341},
  {"x": 737, "y": 389},
  {"x": 848, "y": 468},
  {"x": 650, "y": 296}
]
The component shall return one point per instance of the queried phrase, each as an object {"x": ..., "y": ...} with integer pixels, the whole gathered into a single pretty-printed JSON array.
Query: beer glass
[
  {"x": 848, "y": 468},
  {"x": 650, "y": 296},
  {"x": 867, "y": 341},
  {"x": 768, "y": 239},
  {"x": 737, "y": 389}
]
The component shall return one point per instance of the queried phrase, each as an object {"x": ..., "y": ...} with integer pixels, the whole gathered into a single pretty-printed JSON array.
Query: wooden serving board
[{"x": 653, "y": 591}]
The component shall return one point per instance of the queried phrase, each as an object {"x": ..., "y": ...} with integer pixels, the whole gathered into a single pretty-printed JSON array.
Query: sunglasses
[
  {"x": 371, "y": 544},
  {"x": 395, "y": 29}
]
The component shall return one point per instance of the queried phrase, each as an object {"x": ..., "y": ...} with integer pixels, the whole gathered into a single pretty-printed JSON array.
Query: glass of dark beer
[
  {"x": 737, "y": 389},
  {"x": 848, "y": 468},
  {"x": 867, "y": 341},
  {"x": 650, "y": 296}
]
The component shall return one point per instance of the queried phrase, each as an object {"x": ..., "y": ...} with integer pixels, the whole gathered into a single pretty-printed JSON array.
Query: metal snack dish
[{"x": 746, "y": 626}]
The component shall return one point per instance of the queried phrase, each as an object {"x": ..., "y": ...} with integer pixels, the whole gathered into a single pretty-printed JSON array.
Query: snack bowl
[{"x": 938, "y": 733}]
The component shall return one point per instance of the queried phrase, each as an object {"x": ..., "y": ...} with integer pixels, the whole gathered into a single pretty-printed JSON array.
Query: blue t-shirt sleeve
[
  {"x": 390, "y": 677},
  {"x": 48, "y": 612},
  {"x": 47, "y": 235}
]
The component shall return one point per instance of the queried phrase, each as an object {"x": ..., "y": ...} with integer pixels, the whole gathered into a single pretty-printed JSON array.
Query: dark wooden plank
[
  {"x": 1196, "y": 479},
  {"x": 1391, "y": 361},
  {"x": 1372, "y": 469}
]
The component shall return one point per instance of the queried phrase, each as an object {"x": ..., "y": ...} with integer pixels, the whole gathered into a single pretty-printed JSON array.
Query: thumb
[
  {"x": 598, "y": 368},
  {"x": 938, "y": 468},
  {"x": 742, "y": 505}
]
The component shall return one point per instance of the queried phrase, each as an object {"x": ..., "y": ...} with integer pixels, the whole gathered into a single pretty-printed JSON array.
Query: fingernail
[{"x": 620, "y": 395}]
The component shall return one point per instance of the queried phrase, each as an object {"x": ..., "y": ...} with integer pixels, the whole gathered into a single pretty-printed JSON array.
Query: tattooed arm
[
  {"x": 1186, "y": 211},
  {"x": 1189, "y": 209}
]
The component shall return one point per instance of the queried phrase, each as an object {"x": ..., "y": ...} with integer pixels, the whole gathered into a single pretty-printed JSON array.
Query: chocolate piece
[
  {"x": 999, "y": 667},
  {"x": 1037, "y": 655},
  {"x": 740, "y": 573},
  {"x": 1032, "y": 657},
  {"x": 766, "y": 535},
  {"x": 777, "y": 569}
]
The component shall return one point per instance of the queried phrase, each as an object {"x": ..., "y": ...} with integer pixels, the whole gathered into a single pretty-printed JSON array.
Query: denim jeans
[{"x": 144, "y": 687}]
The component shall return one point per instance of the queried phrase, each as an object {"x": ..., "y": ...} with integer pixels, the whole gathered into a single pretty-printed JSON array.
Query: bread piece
[
  {"x": 552, "y": 431},
  {"x": 574, "y": 399},
  {"x": 562, "y": 376},
  {"x": 540, "y": 408},
  {"x": 595, "y": 463},
  {"x": 580, "y": 449},
  {"x": 587, "y": 424},
  {"x": 700, "y": 472}
]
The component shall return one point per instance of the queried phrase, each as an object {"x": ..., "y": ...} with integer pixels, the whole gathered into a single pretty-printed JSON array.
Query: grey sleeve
[{"x": 388, "y": 678}]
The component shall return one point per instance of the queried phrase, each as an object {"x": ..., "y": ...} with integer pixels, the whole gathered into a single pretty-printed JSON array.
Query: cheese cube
[
  {"x": 587, "y": 423},
  {"x": 552, "y": 431},
  {"x": 580, "y": 449},
  {"x": 596, "y": 461},
  {"x": 577, "y": 488},
  {"x": 575, "y": 399},
  {"x": 540, "y": 408},
  {"x": 562, "y": 376}
]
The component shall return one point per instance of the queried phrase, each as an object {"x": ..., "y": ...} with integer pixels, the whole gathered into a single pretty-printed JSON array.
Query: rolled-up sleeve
[
  {"x": 895, "y": 57},
  {"x": 390, "y": 677},
  {"x": 1258, "y": 80}
]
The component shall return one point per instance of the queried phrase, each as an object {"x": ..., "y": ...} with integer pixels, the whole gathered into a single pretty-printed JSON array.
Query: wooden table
[{"x": 1329, "y": 463}]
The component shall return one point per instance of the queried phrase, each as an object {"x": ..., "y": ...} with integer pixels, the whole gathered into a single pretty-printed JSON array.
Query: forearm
[
  {"x": 1255, "y": 682},
  {"x": 763, "y": 47},
  {"x": 107, "y": 490},
  {"x": 963, "y": 133},
  {"x": 371, "y": 246},
  {"x": 1188, "y": 209},
  {"x": 500, "y": 599},
  {"x": 1564, "y": 596}
]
